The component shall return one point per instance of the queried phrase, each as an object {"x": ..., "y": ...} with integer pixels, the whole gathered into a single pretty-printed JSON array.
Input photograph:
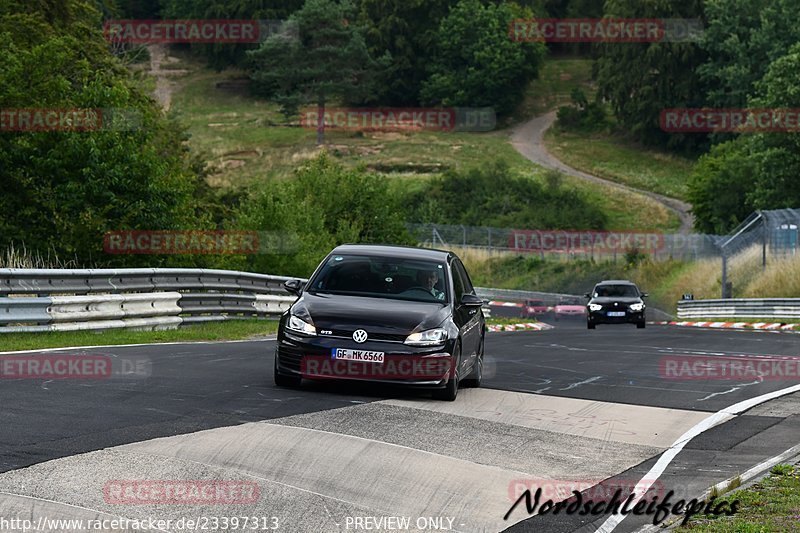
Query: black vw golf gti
[
  {"x": 616, "y": 302},
  {"x": 392, "y": 314}
]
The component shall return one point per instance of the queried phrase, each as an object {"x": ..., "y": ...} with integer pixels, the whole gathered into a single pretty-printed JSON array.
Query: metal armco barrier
[
  {"x": 149, "y": 298},
  {"x": 143, "y": 298},
  {"x": 740, "y": 308},
  {"x": 519, "y": 296}
]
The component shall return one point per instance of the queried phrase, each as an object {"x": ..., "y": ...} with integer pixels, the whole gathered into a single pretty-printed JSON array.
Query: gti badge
[{"x": 360, "y": 336}]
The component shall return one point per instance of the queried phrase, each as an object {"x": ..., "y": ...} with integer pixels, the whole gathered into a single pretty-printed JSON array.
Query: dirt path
[
  {"x": 528, "y": 140},
  {"x": 164, "y": 87}
]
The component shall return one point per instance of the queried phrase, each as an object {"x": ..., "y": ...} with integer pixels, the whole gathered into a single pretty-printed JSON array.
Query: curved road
[
  {"x": 528, "y": 140},
  {"x": 561, "y": 408}
]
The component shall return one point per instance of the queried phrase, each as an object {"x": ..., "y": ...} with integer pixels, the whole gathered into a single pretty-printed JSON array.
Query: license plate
[
  {"x": 616, "y": 313},
  {"x": 357, "y": 355}
]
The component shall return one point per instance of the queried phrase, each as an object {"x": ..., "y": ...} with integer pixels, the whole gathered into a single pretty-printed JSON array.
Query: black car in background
[
  {"x": 389, "y": 314},
  {"x": 616, "y": 302}
]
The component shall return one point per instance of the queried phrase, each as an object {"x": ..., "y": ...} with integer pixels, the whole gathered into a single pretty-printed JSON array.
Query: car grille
[{"x": 385, "y": 337}]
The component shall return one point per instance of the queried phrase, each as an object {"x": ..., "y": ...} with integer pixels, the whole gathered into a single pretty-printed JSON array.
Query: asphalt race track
[{"x": 559, "y": 408}]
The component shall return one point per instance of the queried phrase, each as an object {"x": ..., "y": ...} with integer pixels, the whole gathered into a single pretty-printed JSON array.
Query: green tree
[
  {"x": 719, "y": 187},
  {"x": 741, "y": 39},
  {"x": 329, "y": 59},
  {"x": 323, "y": 206},
  {"x": 493, "y": 195},
  {"x": 406, "y": 30},
  {"x": 754, "y": 170},
  {"x": 222, "y": 55},
  {"x": 475, "y": 64},
  {"x": 62, "y": 190},
  {"x": 639, "y": 80}
]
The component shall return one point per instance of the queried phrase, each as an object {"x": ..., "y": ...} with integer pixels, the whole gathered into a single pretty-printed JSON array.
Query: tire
[
  {"x": 640, "y": 325},
  {"x": 476, "y": 376},
  {"x": 449, "y": 393},
  {"x": 589, "y": 325},
  {"x": 282, "y": 380}
]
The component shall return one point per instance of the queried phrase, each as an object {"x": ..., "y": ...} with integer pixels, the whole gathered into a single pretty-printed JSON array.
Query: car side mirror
[
  {"x": 587, "y": 295},
  {"x": 471, "y": 300},
  {"x": 293, "y": 286},
  {"x": 645, "y": 295}
]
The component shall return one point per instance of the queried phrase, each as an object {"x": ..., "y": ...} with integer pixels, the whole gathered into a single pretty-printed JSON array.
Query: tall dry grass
[
  {"x": 13, "y": 257},
  {"x": 781, "y": 278}
]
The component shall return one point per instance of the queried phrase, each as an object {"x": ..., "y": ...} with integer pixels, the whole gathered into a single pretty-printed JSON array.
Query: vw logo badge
[{"x": 359, "y": 336}]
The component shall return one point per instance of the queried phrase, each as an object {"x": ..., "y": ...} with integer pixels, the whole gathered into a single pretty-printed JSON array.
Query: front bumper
[
  {"x": 601, "y": 317},
  {"x": 310, "y": 358},
  {"x": 570, "y": 314}
]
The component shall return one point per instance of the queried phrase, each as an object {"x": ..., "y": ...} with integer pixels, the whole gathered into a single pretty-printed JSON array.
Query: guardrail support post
[{"x": 725, "y": 276}]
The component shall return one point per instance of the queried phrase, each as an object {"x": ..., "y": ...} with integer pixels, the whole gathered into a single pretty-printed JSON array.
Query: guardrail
[
  {"x": 33, "y": 300},
  {"x": 145, "y": 298},
  {"x": 740, "y": 308}
]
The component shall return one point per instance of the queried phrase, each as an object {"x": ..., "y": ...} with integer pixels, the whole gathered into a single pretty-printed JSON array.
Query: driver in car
[{"x": 429, "y": 279}]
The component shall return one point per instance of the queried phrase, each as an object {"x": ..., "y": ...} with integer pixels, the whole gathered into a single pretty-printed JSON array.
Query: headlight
[
  {"x": 595, "y": 307},
  {"x": 637, "y": 307},
  {"x": 427, "y": 338},
  {"x": 300, "y": 326}
]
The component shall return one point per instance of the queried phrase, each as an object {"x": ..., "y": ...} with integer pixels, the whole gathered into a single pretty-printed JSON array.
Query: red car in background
[
  {"x": 535, "y": 309},
  {"x": 569, "y": 307}
]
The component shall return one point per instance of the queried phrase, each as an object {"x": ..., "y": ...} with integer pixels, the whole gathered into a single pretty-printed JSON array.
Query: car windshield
[
  {"x": 382, "y": 277},
  {"x": 613, "y": 291},
  {"x": 535, "y": 303},
  {"x": 570, "y": 301}
]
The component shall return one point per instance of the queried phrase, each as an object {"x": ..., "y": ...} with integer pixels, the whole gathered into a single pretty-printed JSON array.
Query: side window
[
  {"x": 468, "y": 288},
  {"x": 458, "y": 282}
]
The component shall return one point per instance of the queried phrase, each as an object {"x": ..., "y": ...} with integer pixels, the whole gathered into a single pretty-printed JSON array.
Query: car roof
[
  {"x": 616, "y": 282},
  {"x": 385, "y": 250}
]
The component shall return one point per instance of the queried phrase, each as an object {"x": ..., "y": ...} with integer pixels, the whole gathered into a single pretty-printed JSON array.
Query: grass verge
[
  {"x": 768, "y": 320},
  {"x": 558, "y": 76},
  {"x": 508, "y": 321},
  {"x": 246, "y": 140},
  {"x": 212, "y": 331},
  {"x": 772, "y": 504},
  {"x": 613, "y": 158}
]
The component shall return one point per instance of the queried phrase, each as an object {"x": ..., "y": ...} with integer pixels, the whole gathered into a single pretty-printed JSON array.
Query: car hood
[
  {"x": 379, "y": 315},
  {"x": 571, "y": 307},
  {"x": 627, "y": 300}
]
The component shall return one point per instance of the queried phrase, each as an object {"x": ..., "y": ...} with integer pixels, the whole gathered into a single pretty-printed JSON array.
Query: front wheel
[
  {"x": 640, "y": 325},
  {"x": 476, "y": 377},
  {"x": 589, "y": 325},
  {"x": 449, "y": 393}
]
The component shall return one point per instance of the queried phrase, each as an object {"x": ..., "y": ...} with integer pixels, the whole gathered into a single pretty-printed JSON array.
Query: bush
[
  {"x": 494, "y": 196},
  {"x": 582, "y": 115},
  {"x": 323, "y": 206}
]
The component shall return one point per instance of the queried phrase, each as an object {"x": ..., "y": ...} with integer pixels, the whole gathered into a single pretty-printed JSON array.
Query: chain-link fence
[
  {"x": 569, "y": 244},
  {"x": 773, "y": 233}
]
